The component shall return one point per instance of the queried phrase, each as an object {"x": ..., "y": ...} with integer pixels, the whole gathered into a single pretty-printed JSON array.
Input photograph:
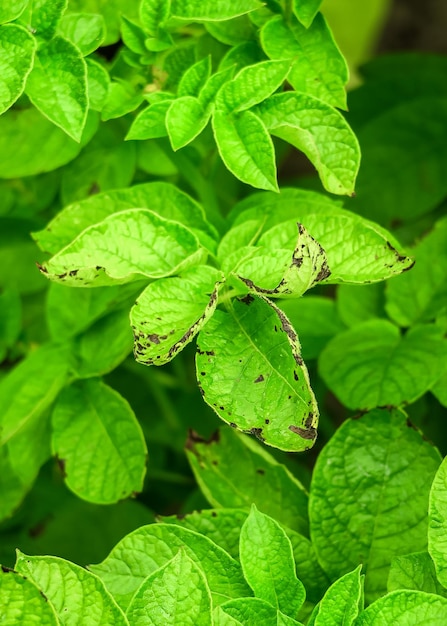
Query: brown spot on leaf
[
  {"x": 260, "y": 471},
  {"x": 259, "y": 379},
  {"x": 305, "y": 433}
]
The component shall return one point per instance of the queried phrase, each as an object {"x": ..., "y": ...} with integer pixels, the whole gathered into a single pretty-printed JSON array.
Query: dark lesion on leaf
[
  {"x": 257, "y": 432},
  {"x": 259, "y": 379},
  {"x": 248, "y": 299},
  {"x": 260, "y": 471},
  {"x": 306, "y": 433},
  {"x": 194, "y": 438},
  {"x": 233, "y": 425}
]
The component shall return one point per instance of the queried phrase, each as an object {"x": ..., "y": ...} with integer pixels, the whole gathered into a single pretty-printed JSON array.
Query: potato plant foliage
[{"x": 142, "y": 151}]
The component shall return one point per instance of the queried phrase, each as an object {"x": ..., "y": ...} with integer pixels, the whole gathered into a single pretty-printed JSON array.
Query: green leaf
[
  {"x": 342, "y": 602},
  {"x": 173, "y": 595},
  {"x": 195, "y": 78},
  {"x": 86, "y": 31},
  {"x": 124, "y": 247},
  {"x": 163, "y": 198},
  {"x": 60, "y": 62},
  {"x": 71, "y": 311},
  {"x": 204, "y": 11},
  {"x": 133, "y": 36},
  {"x": 274, "y": 272},
  {"x": 320, "y": 132},
  {"x": 99, "y": 442},
  {"x": 111, "y": 11},
  {"x": 151, "y": 122},
  {"x": 11, "y": 10},
  {"x": 372, "y": 364},
  {"x": 17, "y": 57},
  {"x": 404, "y": 134},
  {"x": 122, "y": 98},
  {"x": 39, "y": 145},
  {"x": 239, "y": 57},
  {"x": 438, "y": 522},
  {"x": 212, "y": 86},
  {"x": 231, "y": 32},
  {"x": 153, "y": 14},
  {"x": 45, "y": 16},
  {"x": 22, "y": 602},
  {"x": 76, "y": 595},
  {"x": 404, "y": 608},
  {"x": 103, "y": 346},
  {"x": 246, "y": 148},
  {"x": 105, "y": 163},
  {"x": 31, "y": 387},
  {"x": 369, "y": 496},
  {"x": 98, "y": 81},
  {"x": 10, "y": 319},
  {"x": 268, "y": 564},
  {"x": 185, "y": 120},
  {"x": 171, "y": 311},
  {"x": 317, "y": 66},
  {"x": 308, "y": 569},
  {"x": 233, "y": 471},
  {"x": 250, "y": 612},
  {"x": 251, "y": 372},
  {"x": 148, "y": 548},
  {"x": 415, "y": 572},
  {"x": 222, "y": 526},
  {"x": 252, "y": 85},
  {"x": 358, "y": 303},
  {"x": 316, "y": 319},
  {"x": 421, "y": 295},
  {"x": 439, "y": 389},
  {"x": 370, "y": 256},
  {"x": 306, "y": 10}
]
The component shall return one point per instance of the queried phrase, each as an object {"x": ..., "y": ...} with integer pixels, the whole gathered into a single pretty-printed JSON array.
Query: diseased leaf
[
  {"x": 163, "y": 198},
  {"x": 76, "y": 595},
  {"x": 317, "y": 65},
  {"x": 98, "y": 81},
  {"x": 371, "y": 255},
  {"x": 372, "y": 364},
  {"x": 151, "y": 122},
  {"x": 233, "y": 471},
  {"x": 416, "y": 572},
  {"x": 39, "y": 145},
  {"x": 148, "y": 548},
  {"x": 369, "y": 496},
  {"x": 17, "y": 48},
  {"x": 306, "y": 10},
  {"x": 123, "y": 248},
  {"x": 268, "y": 564},
  {"x": 254, "y": 376},
  {"x": 252, "y": 85},
  {"x": 11, "y": 10},
  {"x": 85, "y": 30},
  {"x": 99, "y": 441},
  {"x": 57, "y": 63},
  {"x": 204, "y": 11},
  {"x": 403, "y": 608},
  {"x": 265, "y": 272},
  {"x": 171, "y": 311},
  {"x": 421, "y": 295},
  {"x": 342, "y": 602},
  {"x": 173, "y": 595},
  {"x": 246, "y": 148},
  {"x": 185, "y": 120},
  {"x": 317, "y": 130},
  {"x": 23, "y": 603},
  {"x": 45, "y": 16}
]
